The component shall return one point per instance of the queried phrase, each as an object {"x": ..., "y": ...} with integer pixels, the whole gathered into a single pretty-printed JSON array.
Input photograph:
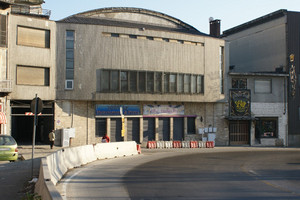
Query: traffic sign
[{"x": 39, "y": 106}]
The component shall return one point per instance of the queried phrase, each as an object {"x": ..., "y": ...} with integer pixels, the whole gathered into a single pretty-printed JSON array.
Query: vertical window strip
[
  {"x": 70, "y": 55},
  {"x": 221, "y": 70}
]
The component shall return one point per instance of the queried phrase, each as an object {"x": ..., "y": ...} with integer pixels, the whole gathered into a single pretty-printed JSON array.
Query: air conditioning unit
[{"x": 69, "y": 84}]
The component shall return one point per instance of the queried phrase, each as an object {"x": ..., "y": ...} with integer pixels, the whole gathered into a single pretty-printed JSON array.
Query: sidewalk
[{"x": 15, "y": 176}]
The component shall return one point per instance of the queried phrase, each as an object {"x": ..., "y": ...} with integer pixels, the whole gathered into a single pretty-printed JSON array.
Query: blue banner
[{"x": 115, "y": 110}]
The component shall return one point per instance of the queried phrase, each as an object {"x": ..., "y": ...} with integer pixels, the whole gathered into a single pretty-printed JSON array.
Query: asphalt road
[{"x": 190, "y": 174}]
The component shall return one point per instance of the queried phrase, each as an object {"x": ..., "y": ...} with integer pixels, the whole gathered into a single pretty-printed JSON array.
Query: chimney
[{"x": 215, "y": 25}]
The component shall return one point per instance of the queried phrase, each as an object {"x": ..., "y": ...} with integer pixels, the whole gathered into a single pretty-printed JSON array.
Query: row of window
[
  {"x": 261, "y": 86},
  {"x": 122, "y": 35},
  {"x": 150, "y": 82}
]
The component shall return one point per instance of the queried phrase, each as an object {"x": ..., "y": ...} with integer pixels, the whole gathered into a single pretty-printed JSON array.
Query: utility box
[{"x": 66, "y": 134}]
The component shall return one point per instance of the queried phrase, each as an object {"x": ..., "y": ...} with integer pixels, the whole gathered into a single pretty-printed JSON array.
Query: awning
[{"x": 2, "y": 118}]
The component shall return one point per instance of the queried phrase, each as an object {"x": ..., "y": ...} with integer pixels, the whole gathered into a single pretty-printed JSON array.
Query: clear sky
[{"x": 194, "y": 12}]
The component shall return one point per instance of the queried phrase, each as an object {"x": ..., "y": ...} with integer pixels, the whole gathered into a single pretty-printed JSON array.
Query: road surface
[{"x": 263, "y": 174}]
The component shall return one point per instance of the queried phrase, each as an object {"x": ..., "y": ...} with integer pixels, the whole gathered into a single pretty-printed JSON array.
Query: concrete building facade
[
  {"x": 28, "y": 44},
  {"x": 138, "y": 75},
  {"x": 259, "y": 62}
]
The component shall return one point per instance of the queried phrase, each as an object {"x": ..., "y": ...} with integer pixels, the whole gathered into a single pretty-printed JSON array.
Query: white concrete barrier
[{"x": 54, "y": 166}]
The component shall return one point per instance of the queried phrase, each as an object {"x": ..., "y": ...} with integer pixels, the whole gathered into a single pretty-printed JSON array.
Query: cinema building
[{"x": 138, "y": 75}]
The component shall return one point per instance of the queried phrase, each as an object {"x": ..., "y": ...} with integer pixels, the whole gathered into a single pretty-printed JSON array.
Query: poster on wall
[
  {"x": 108, "y": 110},
  {"x": 163, "y": 110},
  {"x": 240, "y": 103}
]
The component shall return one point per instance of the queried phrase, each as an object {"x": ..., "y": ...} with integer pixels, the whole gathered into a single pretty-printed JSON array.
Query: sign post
[{"x": 36, "y": 107}]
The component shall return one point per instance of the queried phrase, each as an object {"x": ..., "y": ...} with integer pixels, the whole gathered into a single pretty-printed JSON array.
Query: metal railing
[
  {"x": 5, "y": 86},
  {"x": 36, "y": 10}
]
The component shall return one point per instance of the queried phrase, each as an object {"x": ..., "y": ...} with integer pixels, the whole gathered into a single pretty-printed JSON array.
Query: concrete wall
[
  {"x": 54, "y": 166},
  {"x": 261, "y": 48},
  {"x": 94, "y": 50}
]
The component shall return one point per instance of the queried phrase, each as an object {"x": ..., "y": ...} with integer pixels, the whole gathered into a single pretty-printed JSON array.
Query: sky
[{"x": 193, "y": 12}]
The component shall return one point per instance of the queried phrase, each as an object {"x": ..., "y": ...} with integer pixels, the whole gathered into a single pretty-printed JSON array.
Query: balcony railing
[
  {"x": 6, "y": 86},
  {"x": 35, "y": 10}
]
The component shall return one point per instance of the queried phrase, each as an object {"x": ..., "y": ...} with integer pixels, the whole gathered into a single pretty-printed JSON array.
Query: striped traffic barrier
[
  {"x": 186, "y": 144},
  {"x": 160, "y": 144},
  {"x": 168, "y": 144},
  {"x": 138, "y": 147},
  {"x": 209, "y": 144},
  {"x": 176, "y": 144},
  {"x": 194, "y": 144},
  {"x": 202, "y": 144},
  {"x": 151, "y": 144}
]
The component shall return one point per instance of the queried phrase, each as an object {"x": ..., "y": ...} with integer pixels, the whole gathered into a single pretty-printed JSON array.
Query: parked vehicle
[{"x": 8, "y": 148}]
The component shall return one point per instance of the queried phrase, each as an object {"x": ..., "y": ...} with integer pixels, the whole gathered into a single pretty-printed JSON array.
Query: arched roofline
[{"x": 136, "y": 10}]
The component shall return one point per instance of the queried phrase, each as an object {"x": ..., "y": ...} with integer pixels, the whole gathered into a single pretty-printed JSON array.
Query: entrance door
[
  {"x": 239, "y": 132},
  {"x": 164, "y": 129},
  {"x": 133, "y": 129},
  {"x": 149, "y": 129},
  {"x": 115, "y": 129},
  {"x": 178, "y": 128}
]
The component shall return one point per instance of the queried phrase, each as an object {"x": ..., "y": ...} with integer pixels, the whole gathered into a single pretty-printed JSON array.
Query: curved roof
[{"x": 132, "y": 18}]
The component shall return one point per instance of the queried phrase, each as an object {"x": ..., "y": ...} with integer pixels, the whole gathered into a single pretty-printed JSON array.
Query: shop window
[
  {"x": 33, "y": 37},
  {"x": 37, "y": 76},
  {"x": 191, "y": 126},
  {"x": 239, "y": 83},
  {"x": 100, "y": 127},
  {"x": 263, "y": 86},
  {"x": 266, "y": 128}
]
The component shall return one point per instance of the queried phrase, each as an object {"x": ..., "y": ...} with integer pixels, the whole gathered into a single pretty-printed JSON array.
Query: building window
[
  {"x": 191, "y": 127},
  {"x": 266, "y": 128},
  {"x": 100, "y": 127},
  {"x": 172, "y": 80},
  {"x": 200, "y": 84},
  {"x": 124, "y": 81},
  {"x": 150, "y": 82},
  {"x": 239, "y": 83},
  {"x": 263, "y": 86},
  {"x": 158, "y": 82},
  {"x": 115, "y": 35},
  {"x": 221, "y": 69},
  {"x": 142, "y": 82},
  {"x": 180, "y": 83},
  {"x": 187, "y": 83},
  {"x": 166, "y": 83},
  {"x": 70, "y": 36},
  {"x": 3, "y": 31},
  {"x": 37, "y": 76},
  {"x": 33, "y": 37},
  {"x": 133, "y": 81}
]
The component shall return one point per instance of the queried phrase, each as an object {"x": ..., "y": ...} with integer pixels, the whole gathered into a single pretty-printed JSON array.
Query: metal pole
[{"x": 34, "y": 131}]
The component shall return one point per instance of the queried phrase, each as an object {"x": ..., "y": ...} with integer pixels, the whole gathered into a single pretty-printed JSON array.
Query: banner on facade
[
  {"x": 240, "y": 103},
  {"x": 163, "y": 110},
  {"x": 115, "y": 110}
]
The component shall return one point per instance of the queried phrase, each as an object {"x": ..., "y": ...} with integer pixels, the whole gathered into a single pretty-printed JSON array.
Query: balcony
[
  {"x": 5, "y": 86},
  {"x": 30, "y": 2},
  {"x": 33, "y": 10}
]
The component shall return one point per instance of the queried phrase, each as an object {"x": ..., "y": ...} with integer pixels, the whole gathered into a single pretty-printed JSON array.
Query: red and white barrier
[
  {"x": 160, "y": 144},
  {"x": 185, "y": 144},
  {"x": 138, "y": 147},
  {"x": 210, "y": 144},
  {"x": 168, "y": 144},
  {"x": 194, "y": 144},
  {"x": 151, "y": 144},
  {"x": 176, "y": 144}
]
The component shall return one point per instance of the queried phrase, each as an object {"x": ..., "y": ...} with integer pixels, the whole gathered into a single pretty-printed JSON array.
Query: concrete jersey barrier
[{"x": 54, "y": 166}]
